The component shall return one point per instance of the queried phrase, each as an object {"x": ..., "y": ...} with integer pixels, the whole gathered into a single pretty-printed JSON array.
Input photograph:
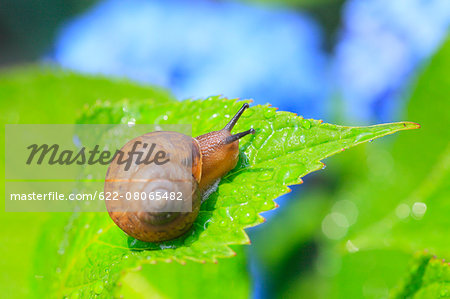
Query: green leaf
[
  {"x": 285, "y": 148},
  {"x": 428, "y": 278},
  {"x": 420, "y": 181},
  {"x": 50, "y": 96},
  {"x": 416, "y": 191},
  {"x": 399, "y": 198},
  {"x": 173, "y": 280}
]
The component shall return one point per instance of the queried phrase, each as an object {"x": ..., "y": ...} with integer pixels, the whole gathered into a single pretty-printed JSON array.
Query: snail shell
[
  {"x": 192, "y": 166},
  {"x": 151, "y": 220}
]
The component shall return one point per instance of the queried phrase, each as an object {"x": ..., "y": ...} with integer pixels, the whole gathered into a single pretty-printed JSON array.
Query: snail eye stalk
[
  {"x": 238, "y": 136},
  {"x": 235, "y": 118}
]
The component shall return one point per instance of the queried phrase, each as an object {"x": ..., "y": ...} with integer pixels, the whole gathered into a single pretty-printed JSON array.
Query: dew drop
[
  {"x": 265, "y": 176},
  {"x": 248, "y": 113},
  {"x": 306, "y": 124},
  {"x": 292, "y": 174},
  {"x": 269, "y": 113},
  {"x": 363, "y": 136},
  {"x": 244, "y": 215},
  {"x": 241, "y": 198},
  {"x": 98, "y": 287},
  {"x": 267, "y": 205},
  {"x": 131, "y": 122}
]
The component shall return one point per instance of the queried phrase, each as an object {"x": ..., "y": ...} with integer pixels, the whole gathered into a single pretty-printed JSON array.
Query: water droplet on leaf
[
  {"x": 269, "y": 113},
  {"x": 98, "y": 287},
  {"x": 265, "y": 176},
  {"x": 131, "y": 122},
  {"x": 244, "y": 215},
  {"x": 363, "y": 136},
  {"x": 306, "y": 124},
  {"x": 248, "y": 113}
]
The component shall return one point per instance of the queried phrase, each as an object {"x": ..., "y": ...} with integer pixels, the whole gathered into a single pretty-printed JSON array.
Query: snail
[{"x": 183, "y": 167}]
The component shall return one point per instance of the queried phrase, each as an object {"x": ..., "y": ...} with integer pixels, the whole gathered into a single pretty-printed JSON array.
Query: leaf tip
[{"x": 409, "y": 125}]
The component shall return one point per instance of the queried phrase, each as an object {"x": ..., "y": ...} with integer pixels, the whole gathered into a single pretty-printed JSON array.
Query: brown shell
[{"x": 152, "y": 220}]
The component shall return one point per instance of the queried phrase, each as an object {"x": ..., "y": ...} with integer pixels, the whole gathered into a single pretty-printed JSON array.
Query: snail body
[{"x": 191, "y": 167}]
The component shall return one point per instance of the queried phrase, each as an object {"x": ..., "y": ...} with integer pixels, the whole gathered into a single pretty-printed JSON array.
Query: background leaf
[
  {"x": 398, "y": 197},
  {"x": 429, "y": 277},
  {"x": 34, "y": 95}
]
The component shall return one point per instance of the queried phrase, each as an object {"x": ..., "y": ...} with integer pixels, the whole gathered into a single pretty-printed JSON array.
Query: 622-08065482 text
[{"x": 53, "y": 195}]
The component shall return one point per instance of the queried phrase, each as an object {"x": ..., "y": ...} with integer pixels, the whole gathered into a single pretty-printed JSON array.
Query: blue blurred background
[
  {"x": 295, "y": 54},
  {"x": 348, "y": 61}
]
